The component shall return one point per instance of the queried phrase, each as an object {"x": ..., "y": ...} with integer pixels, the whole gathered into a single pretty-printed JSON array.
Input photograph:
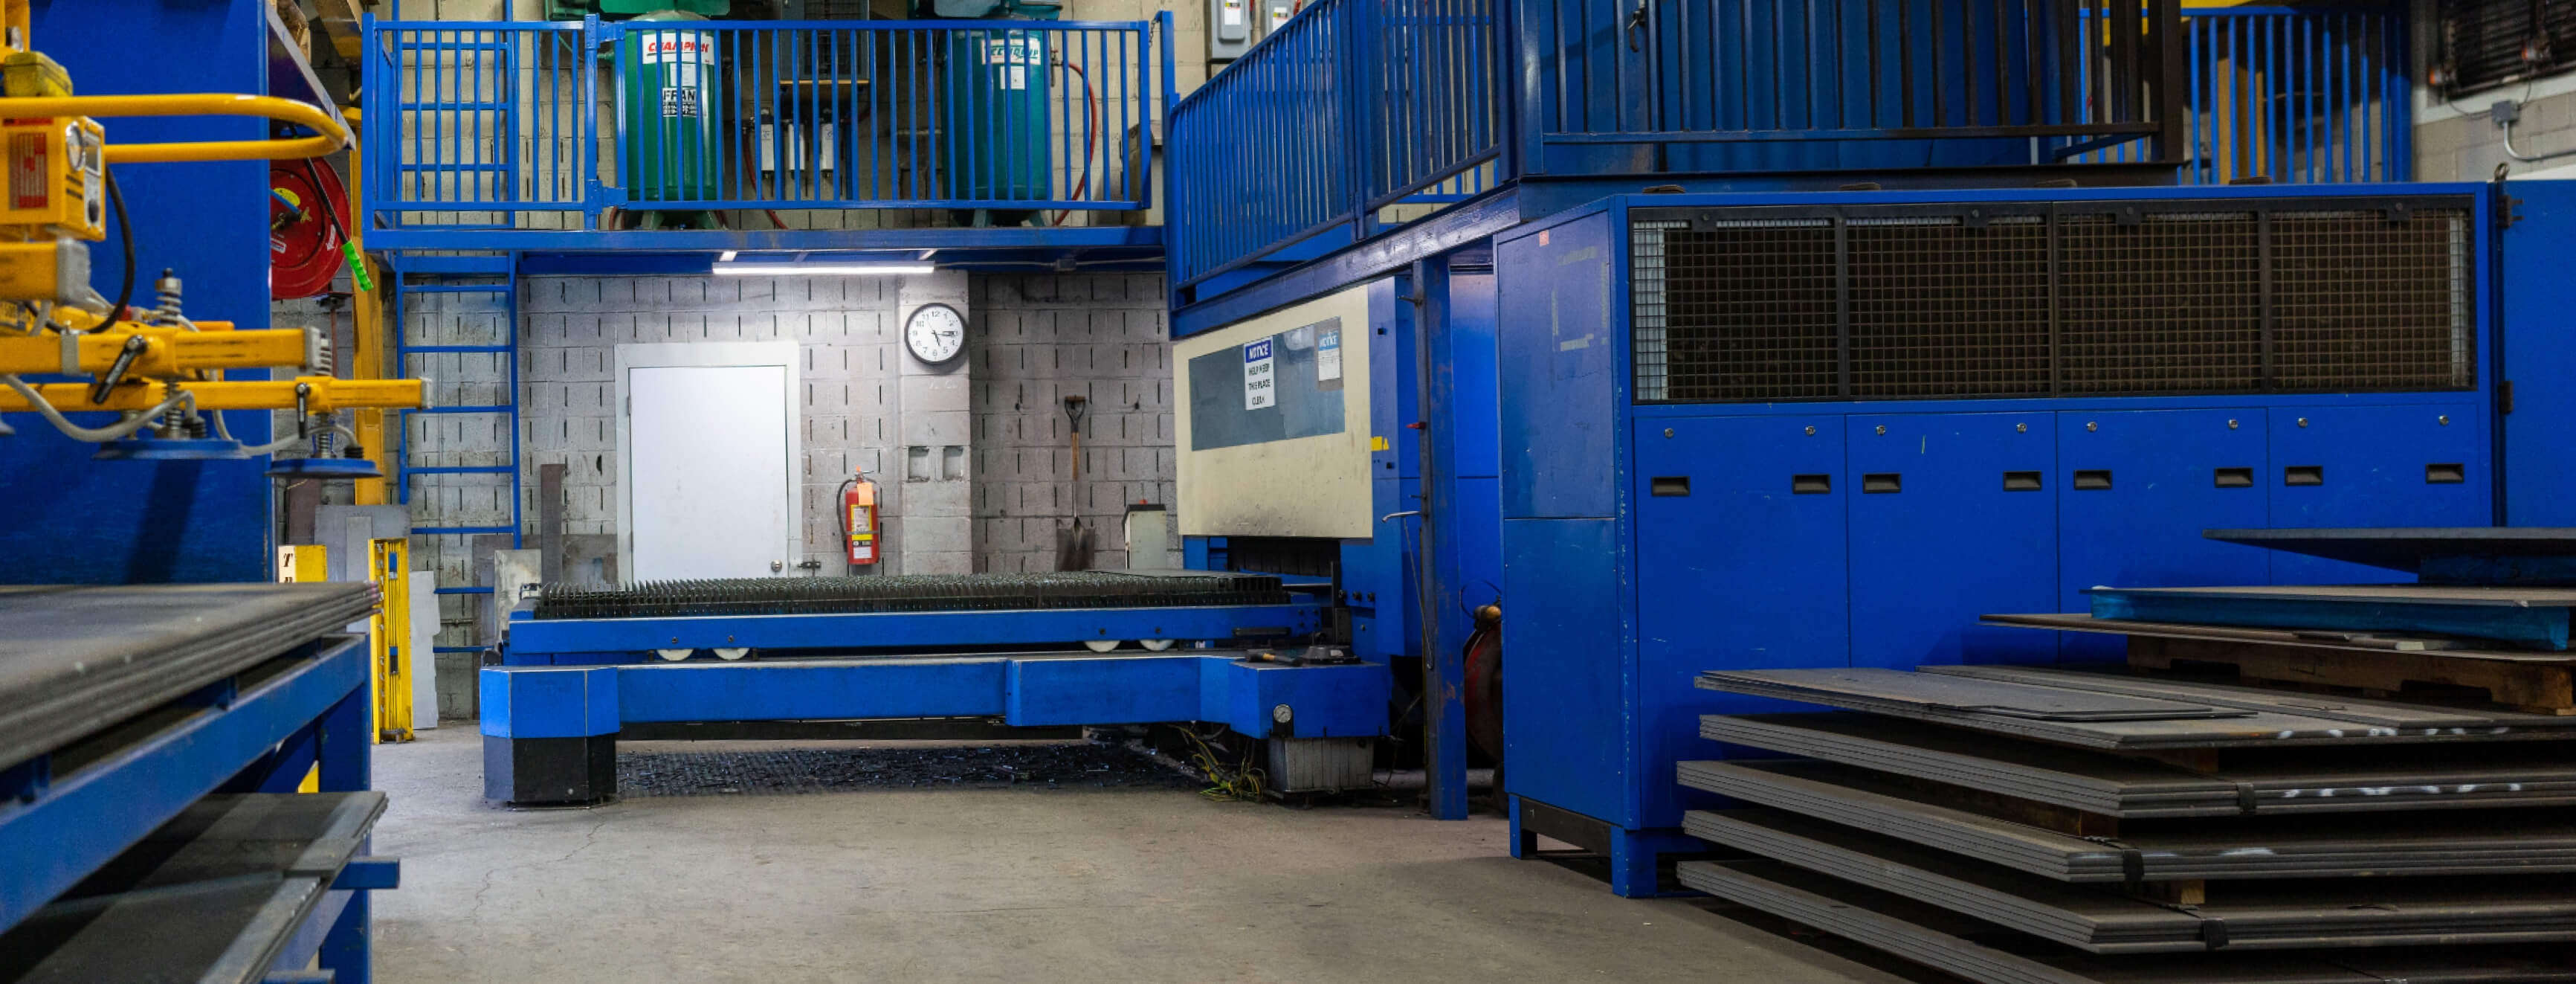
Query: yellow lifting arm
[
  {"x": 327, "y": 394},
  {"x": 332, "y": 133},
  {"x": 166, "y": 352}
]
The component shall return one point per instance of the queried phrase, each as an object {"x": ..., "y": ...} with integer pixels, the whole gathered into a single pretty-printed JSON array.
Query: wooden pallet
[{"x": 2538, "y": 683}]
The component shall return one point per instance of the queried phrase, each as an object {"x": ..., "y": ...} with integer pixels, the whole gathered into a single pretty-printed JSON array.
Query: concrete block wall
[
  {"x": 1038, "y": 338},
  {"x": 2451, "y": 146}
]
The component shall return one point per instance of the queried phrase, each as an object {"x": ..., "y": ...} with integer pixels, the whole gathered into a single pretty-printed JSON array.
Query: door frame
[{"x": 709, "y": 355}]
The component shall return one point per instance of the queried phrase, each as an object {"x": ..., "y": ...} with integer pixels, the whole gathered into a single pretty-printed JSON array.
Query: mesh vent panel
[
  {"x": 1749, "y": 313},
  {"x": 2173, "y": 303},
  {"x": 1920, "y": 304},
  {"x": 2365, "y": 303},
  {"x": 1948, "y": 310}
]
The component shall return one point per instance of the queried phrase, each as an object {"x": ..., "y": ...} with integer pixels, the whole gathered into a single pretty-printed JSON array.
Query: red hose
[{"x": 1090, "y": 135}]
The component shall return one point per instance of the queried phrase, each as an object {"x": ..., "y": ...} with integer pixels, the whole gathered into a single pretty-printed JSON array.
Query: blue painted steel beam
[
  {"x": 63, "y": 831},
  {"x": 752, "y": 240},
  {"x": 1459, "y": 226},
  {"x": 596, "y": 640},
  {"x": 1341, "y": 701}
]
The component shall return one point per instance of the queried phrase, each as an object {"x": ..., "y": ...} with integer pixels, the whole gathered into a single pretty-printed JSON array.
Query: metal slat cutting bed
[{"x": 579, "y": 665}]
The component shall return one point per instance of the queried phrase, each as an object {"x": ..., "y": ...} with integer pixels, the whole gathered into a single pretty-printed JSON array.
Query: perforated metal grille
[
  {"x": 2362, "y": 302},
  {"x": 1749, "y": 313},
  {"x": 1939, "y": 308},
  {"x": 2260, "y": 296},
  {"x": 2171, "y": 303}
]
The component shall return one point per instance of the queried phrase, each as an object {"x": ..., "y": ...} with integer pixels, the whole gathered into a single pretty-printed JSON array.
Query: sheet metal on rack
[
  {"x": 2208, "y": 849},
  {"x": 2369, "y": 642},
  {"x": 74, "y": 660},
  {"x": 2121, "y": 786},
  {"x": 212, "y": 896},
  {"x": 2019, "y": 710},
  {"x": 1946, "y": 940},
  {"x": 2533, "y": 616},
  {"x": 2294, "y": 915},
  {"x": 2409, "y": 548},
  {"x": 2404, "y": 715}
]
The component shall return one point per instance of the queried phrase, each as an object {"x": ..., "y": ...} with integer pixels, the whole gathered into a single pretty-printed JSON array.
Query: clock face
[{"x": 935, "y": 333}]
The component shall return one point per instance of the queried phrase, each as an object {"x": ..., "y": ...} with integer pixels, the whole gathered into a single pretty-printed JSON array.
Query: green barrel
[
  {"x": 997, "y": 114},
  {"x": 670, "y": 101}
]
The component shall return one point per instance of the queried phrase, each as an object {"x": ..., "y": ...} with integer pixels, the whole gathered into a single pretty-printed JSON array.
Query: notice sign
[
  {"x": 1259, "y": 380},
  {"x": 1328, "y": 356}
]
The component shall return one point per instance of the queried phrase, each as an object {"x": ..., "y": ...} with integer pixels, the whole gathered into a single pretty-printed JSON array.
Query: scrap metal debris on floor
[{"x": 1072, "y": 765}]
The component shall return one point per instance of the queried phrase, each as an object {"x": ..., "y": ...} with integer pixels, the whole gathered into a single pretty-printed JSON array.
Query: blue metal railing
[
  {"x": 485, "y": 124},
  {"x": 1351, "y": 106},
  {"x": 1355, "y": 105},
  {"x": 2299, "y": 95}
]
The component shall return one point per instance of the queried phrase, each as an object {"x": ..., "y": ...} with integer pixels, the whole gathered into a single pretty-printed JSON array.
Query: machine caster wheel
[
  {"x": 1155, "y": 645},
  {"x": 731, "y": 653},
  {"x": 673, "y": 655},
  {"x": 1100, "y": 645}
]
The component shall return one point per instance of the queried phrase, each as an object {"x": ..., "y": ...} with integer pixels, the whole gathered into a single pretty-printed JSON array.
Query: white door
[{"x": 709, "y": 449}]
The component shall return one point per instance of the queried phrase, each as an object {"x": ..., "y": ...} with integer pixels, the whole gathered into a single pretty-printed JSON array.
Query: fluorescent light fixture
[{"x": 725, "y": 269}]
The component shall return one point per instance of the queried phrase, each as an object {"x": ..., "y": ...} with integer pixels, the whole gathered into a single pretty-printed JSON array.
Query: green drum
[
  {"x": 669, "y": 100},
  {"x": 999, "y": 145}
]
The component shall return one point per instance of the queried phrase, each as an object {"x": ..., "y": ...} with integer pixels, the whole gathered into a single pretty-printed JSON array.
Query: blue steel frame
[
  {"x": 448, "y": 101},
  {"x": 55, "y": 830},
  {"x": 612, "y": 640},
  {"x": 1341, "y": 701},
  {"x": 74, "y": 520},
  {"x": 1596, "y": 607}
]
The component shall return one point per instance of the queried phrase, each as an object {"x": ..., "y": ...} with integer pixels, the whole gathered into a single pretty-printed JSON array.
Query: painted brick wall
[{"x": 1038, "y": 339}]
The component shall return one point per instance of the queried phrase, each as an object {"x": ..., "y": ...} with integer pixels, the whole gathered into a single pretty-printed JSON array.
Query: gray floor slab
[{"x": 1009, "y": 885}]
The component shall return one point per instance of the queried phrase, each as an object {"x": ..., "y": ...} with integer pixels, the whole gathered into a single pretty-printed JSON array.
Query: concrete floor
[{"x": 1013, "y": 885}]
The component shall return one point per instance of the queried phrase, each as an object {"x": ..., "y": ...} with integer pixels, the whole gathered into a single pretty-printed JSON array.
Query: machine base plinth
[{"x": 550, "y": 771}]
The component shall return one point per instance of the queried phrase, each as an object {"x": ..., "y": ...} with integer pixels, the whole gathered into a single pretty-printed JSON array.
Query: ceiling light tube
[{"x": 821, "y": 269}]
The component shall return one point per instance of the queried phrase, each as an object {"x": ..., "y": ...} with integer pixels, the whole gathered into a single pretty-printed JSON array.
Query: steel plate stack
[
  {"x": 2067, "y": 825},
  {"x": 74, "y": 660}
]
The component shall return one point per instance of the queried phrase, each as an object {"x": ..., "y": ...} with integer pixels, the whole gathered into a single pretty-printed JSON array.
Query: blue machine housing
[{"x": 1646, "y": 542}]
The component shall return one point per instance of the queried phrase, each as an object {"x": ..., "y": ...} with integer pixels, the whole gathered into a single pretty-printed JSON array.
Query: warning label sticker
[
  {"x": 1328, "y": 356},
  {"x": 1259, "y": 389}
]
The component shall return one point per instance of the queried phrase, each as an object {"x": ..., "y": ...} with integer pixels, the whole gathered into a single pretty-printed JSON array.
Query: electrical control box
[
  {"x": 1231, "y": 29},
  {"x": 1274, "y": 15},
  {"x": 57, "y": 177}
]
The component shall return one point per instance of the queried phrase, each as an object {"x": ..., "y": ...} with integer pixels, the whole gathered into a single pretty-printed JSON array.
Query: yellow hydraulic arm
[{"x": 320, "y": 394}]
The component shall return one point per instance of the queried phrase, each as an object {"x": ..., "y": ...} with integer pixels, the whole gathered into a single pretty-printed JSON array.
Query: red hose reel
[{"x": 303, "y": 240}]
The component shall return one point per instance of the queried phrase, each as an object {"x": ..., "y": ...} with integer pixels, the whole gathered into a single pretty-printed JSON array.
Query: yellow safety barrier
[
  {"x": 332, "y": 134},
  {"x": 389, "y": 564}
]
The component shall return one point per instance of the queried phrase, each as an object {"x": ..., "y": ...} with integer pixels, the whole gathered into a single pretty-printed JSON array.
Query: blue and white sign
[
  {"x": 1259, "y": 379},
  {"x": 1328, "y": 356}
]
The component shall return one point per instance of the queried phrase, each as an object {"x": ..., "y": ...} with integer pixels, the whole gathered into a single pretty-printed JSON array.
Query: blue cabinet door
[
  {"x": 2135, "y": 488},
  {"x": 1569, "y": 716},
  {"x": 1952, "y": 517},
  {"x": 1741, "y": 564},
  {"x": 2359, "y": 466},
  {"x": 2536, "y": 342}
]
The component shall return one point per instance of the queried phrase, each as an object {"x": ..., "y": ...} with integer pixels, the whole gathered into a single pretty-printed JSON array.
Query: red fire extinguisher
[{"x": 859, "y": 518}]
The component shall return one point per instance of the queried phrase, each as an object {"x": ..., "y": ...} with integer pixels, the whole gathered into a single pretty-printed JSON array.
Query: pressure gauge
[{"x": 935, "y": 333}]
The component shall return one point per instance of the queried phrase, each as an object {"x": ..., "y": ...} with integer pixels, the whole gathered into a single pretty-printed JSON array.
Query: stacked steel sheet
[
  {"x": 914, "y": 593},
  {"x": 2027, "y": 824},
  {"x": 75, "y": 660}
]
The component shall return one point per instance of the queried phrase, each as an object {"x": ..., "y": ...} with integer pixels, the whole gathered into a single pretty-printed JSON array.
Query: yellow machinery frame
[{"x": 389, "y": 565}]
